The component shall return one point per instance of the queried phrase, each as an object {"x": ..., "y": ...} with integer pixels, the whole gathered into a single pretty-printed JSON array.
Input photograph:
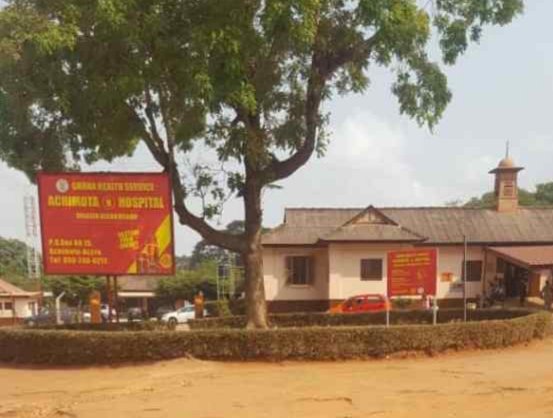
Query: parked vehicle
[
  {"x": 48, "y": 317},
  {"x": 180, "y": 316},
  {"x": 135, "y": 314},
  {"x": 362, "y": 303},
  {"x": 162, "y": 310},
  {"x": 104, "y": 312}
]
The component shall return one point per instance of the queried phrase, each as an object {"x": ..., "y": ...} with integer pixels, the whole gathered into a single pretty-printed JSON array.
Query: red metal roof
[
  {"x": 8, "y": 289},
  {"x": 531, "y": 256}
]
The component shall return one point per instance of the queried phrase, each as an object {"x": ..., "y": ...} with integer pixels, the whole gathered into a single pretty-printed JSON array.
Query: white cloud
[
  {"x": 13, "y": 187},
  {"x": 374, "y": 157}
]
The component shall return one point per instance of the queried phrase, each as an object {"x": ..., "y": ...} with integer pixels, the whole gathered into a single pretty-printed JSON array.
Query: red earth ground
[{"x": 517, "y": 382}]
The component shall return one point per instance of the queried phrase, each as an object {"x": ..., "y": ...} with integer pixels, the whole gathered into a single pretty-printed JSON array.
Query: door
[{"x": 534, "y": 285}]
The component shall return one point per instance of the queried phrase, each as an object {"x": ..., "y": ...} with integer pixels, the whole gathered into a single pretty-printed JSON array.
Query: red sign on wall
[
  {"x": 106, "y": 223},
  {"x": 412, "y": 272}
]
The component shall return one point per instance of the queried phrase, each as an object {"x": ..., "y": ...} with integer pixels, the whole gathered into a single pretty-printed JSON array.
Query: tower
[{"x": 506, "y": 184}]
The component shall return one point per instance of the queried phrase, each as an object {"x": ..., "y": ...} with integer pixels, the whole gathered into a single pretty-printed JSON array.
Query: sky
[{"x": 502, "y": 91}]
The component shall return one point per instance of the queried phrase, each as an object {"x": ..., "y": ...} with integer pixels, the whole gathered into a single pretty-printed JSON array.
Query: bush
[
  {"x": 218, "y": 308},
  {"x": 307, "y": 343},
  {"x": 397, "y": 317},
  {"x": 107, "y": 326}
]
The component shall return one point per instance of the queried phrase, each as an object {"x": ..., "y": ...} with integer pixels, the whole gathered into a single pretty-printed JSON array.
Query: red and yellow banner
[
  {"x": 106, "y": 223},
  {"x": 412, "y": 272}
]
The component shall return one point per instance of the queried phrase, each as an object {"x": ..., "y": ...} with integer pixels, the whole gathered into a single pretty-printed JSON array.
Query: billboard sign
[
  {"x": 412, "y": 272},
  {"x": 106, "y": 223}
]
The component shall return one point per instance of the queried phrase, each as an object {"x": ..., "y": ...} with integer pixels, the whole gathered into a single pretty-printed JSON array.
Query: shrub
[
  {"x": 107, "y": 326},
  {"x": 307, "y": 343},
  {"x": 397, "y": 317},
  {"x": 218, "y": 308}
]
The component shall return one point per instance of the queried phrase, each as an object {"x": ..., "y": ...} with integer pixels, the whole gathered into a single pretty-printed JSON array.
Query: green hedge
[
  {"x": 107, "y": 326},
  {"x": 397, "y": 317},
  {"x": 307, "y": 343}
]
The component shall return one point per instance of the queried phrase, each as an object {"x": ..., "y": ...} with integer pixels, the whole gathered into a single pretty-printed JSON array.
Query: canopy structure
[{"x": 529, "y": 257}]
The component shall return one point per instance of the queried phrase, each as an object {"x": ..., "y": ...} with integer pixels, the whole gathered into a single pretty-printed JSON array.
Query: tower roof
[{"x": 506, "y": 164}]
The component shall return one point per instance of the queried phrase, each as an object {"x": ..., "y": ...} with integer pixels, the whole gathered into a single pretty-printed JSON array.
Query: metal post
[
  {"x": 387, "y": 312},
  {"x": 116, "y": 299},
  {"x": 58, "y": 310},
  {"x": 109, "y": 295},
  {"x": 218, "y": 286},
  {"x": 434, "y": 311},
  {"x": 464, "y": 278}
]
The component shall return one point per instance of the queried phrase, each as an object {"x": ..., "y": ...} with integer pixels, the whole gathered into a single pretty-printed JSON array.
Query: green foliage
[
  {"x": 204, "y": 251},
  {"x": 308, "y": 343},
  {"x": 84, "y": 80},
  {"x": 319, "y": 319},
  {"x": 13, "y": 257},
  {"x": 77, "y": 288},
  {"x": 543, "y": 196},
  {"x": 187, "y": 283},
  {"x": 13, "y": 264},
  {"x": 107, "y": 326},
  {"x": 218, "y": 308}
]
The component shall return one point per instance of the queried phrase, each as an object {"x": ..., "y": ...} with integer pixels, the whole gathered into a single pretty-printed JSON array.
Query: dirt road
[{"x": 514, "y": 383}]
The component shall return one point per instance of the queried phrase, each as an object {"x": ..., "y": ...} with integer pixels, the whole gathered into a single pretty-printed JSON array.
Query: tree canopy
[
  {"x": 543, "y": 196},
  {"x": 187, "y": 283},
  {"x": 242, "y": 80},
  {"x": 77, "y": 288},
  {"x": 13, "y": 257}
]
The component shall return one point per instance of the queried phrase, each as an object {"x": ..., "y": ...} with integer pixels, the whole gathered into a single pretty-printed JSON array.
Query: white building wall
[
  {"x": 22, "y": 307},
  {"x": 345, "y": 269},
  {"x": 338, "y": 272},
  {"x": 274, "y": 267},
  {"x": 450, "y": 260}
]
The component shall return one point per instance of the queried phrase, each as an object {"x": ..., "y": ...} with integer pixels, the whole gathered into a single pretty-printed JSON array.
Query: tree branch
[
  {"x": 231, "y": 242},
  {"x": 322, "y": 68}
]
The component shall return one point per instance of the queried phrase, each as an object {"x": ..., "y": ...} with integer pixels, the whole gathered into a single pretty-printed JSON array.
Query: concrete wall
[
  {"x": 345, "y": 269},
  {"x": 274, "y": 266},
  {"x": 450, "y": 260},
  {"x": 22, "y": 308},
  {"x": 338, "y": 272}
]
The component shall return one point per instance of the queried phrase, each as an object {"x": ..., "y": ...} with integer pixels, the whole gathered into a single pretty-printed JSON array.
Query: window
[
  {"x": 299, "y": 270},
  {"x": 474, "y": 270},
  {"x": 371, "y": 269},
  {"x": 8, "y": 306}
]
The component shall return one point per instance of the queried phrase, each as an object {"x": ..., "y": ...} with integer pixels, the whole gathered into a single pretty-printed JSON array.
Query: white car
[{"x": 180, "y": 316}]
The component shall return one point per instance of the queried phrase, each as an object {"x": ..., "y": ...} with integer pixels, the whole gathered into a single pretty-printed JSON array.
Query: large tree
[{"x": 82, "y": 80}]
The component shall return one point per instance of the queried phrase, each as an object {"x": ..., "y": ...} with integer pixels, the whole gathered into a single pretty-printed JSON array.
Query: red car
[{"x": 362, "y": 303}]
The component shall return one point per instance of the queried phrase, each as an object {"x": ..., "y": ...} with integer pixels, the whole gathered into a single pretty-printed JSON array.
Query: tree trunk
[{"x": 256, "y": 307}]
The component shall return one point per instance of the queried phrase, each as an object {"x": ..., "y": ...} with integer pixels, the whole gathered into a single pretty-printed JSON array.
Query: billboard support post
[
  {"x": 387, "y": 311},
  {"x": 110, "y": 296},
  {"x": 115, "y": 289}
]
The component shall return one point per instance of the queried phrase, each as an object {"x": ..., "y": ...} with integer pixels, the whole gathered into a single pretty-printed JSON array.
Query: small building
[
  {"x": 137, "y": 292},
  {"x": 320, "y": 256},
  {"x": 16, "y": 304}
]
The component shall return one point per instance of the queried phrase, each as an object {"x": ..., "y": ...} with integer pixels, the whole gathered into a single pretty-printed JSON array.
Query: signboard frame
[{"x": 170, "y": 210}]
